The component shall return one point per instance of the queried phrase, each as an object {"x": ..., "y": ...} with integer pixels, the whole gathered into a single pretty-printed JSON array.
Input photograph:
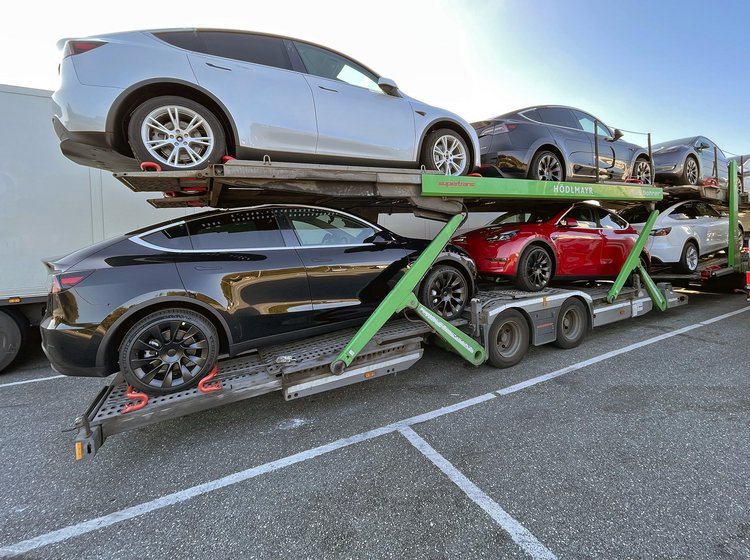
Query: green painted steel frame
[
  {"x": 402, "y": 297},
  {"x": 733, "y": 199}
]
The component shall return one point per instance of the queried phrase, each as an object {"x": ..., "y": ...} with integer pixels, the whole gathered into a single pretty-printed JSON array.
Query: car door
[
  {"x": 578, "y": 248},
  {"x": 349, "y": 270},
  {"x": 355, "y": 117},
  {"x": 706, "y": 155},
  {"x": 240, "y": 265},
  {"x": 715, "y": 226},
  {"x": 611, "y": 165},
  {"x": 576, "y": 144},
  {"x": 271, "y": 105},
  {"x": 618, "y": 240}
]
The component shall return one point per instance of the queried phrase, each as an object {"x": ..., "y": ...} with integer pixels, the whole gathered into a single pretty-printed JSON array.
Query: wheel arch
[
  {"x": 444, "y": 122},
  {"x": 107, "y": 353},
  {"x": 461, "y": 268},
  {"x": 541, "y": 242},
  {"x": 547, "y": 145},
  {"x": 118, "y": 117}
]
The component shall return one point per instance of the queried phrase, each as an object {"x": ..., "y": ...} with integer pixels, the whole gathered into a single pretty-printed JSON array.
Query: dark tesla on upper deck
[{"x": 556, "y": 143}]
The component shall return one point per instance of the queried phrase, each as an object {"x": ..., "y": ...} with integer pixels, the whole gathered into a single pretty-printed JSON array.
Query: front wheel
[
  {"x": 176, "y": 133},
  {"x": 534, "y": 270},
  {"x": 444, "y": 150},
  {"x": 168, "y": 351},
  {"x": 445, "y": 291},
  {"x": 690, "y": 171}
]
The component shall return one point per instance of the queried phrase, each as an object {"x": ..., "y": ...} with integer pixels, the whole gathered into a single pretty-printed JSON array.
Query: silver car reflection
[{"x": 184, "y": 98}]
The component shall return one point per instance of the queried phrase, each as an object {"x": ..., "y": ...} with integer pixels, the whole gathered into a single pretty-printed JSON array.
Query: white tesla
[{"x": 183, "y": 98}]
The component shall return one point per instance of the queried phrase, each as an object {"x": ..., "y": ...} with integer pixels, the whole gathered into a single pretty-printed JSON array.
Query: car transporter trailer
[{"x": 499, "y": 325}]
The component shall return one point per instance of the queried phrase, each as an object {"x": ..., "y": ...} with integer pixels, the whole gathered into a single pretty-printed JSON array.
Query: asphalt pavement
[{"x": 633, "y": 445}]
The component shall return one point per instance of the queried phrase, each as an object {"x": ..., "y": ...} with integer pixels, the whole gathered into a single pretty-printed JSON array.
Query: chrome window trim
[{"x": 143, "y": 243}]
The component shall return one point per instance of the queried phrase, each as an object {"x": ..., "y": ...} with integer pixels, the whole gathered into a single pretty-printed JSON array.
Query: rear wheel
[
  {"x": 169, "y": 351},
  {"x": 508, "y": 339},
  {"x": 177, "y": 133},
  {"x": 546, "y": 166},
  {"x": 444, "y": 150},
  {"x": 445, "y": 291},
  {"x": 534, "y": 270},
  {"x": 572, "y": 324},
  {"x": 690, "y": 171},
  {"x": 689, "y": 259}
]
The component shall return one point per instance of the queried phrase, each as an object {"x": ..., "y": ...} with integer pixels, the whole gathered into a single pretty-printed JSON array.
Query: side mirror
[
  {"x": 381, "y": 237},
  {"x": 569, "y": 223},
  {"x": 388, "y": 86},
  {"x": 617, "y": 135},
  {"x": 702, "y": 146}
]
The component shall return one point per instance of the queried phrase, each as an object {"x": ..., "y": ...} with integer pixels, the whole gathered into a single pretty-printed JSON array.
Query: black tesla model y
[{"x": 162, "y": 304}]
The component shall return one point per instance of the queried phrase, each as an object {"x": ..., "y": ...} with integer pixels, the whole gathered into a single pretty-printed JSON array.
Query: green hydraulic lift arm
[
  {"x": 732, "y": 256},
  {"x": 402, "y": 297}
]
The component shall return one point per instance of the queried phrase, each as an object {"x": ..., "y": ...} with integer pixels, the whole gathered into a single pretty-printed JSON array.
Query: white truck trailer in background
[{"x": 49, "y": 206}]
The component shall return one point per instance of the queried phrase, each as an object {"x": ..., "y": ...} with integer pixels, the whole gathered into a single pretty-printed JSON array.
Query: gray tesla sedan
[
  {"x": 556, "y": 143},
  {"x": 184, "y": 98},
  {"x": 690, "y": 161}
]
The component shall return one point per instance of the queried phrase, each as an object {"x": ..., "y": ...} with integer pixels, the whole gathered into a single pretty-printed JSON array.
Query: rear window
[
  {"x": 247, "y": 47},
  {"x": 253, "y": 229},
  {"x": 175, "y": 237},
  {"x": 635, "y": 214}
]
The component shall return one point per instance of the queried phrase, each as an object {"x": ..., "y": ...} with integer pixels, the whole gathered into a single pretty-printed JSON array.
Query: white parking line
[
  {"x": 520, "y": 534},
  {"x": 129, "y": 513},
  {"x": 613, "y": 353},
  {"x": 30, "y": 381}
]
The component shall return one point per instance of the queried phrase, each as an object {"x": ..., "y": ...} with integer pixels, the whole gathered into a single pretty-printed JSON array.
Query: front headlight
[{"x": 503, "y": 236}]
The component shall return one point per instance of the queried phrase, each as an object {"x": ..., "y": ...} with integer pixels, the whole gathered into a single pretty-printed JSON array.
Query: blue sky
[{"x": 674, "y": 68}]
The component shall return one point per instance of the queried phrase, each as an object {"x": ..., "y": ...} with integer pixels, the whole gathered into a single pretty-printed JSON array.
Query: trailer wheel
[
  {"x": 508, "y": 339},
  {"x": 168, "y": 351},
  {"x": 11, "y": 339},
  {"x": 177, "y": 133},
  {"x": 572, "y": 324},
  {"x": 445, "y": 291}
]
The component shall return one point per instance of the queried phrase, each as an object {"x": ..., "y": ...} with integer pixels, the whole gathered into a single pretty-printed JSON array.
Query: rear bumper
[
  {"x": 71, "y": 350},
  {"x": 92, "y": 149}
]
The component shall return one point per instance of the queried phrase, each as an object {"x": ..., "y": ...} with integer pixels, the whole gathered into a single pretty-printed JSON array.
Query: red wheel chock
[
  {"x": 150, "y": 166},
  {"x": 208, "y": 383},
  {"x": 634, "y": 180},
  {"x": 225, "y": 159},
  {"x": 707, "y": 272},
  {"x": 139, "y": 400},
  {"x": 710, "y": 182}
]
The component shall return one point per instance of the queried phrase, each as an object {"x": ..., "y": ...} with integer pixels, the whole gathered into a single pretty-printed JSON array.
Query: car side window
[
  {"x": 611, "y": 221},
  {"x": 173, "y": 237},
  {"x": 315, "y": 227},
  {"x": 249, "y": 229},
  {"x": 706, "y": 210},
  {"x": 559, "y": 116},
  {"x": 326, "y": 64},
  {"x": 585, "y": 217},
  {"x": 247, "y": 47},
  {"x": 586, "y": 121},
  {"x": 684, "y": 212}
]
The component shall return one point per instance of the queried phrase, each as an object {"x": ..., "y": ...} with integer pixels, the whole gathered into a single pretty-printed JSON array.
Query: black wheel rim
[
  {"x": 571, "y": 323},
  {"x": 508, "y": 340},
  {"x": 169, "y": 354},
  {"x": 448, "y": 294},
  {"x": 538, "y": 268},
  {"x": 549, "y": 168}
]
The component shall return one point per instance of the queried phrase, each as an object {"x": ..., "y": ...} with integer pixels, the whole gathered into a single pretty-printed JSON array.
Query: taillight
[
  {"x": 78, "y": 47},
  {"x": 61, "y": 282},
  {"x": 498, "y": 129},
  {"x": 661, "y": 232}
]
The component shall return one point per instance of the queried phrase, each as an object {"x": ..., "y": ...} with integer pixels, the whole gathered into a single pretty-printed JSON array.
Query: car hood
[{"x": 665, "y": 154}]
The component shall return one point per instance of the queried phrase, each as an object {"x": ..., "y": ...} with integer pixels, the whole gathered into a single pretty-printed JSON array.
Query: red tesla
[{"x": 567, "y": 241}]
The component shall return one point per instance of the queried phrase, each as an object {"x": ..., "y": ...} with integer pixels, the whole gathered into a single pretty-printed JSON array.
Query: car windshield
[
  {"x": 678, "y": 142},
  {"x": 535, "y": 216}
]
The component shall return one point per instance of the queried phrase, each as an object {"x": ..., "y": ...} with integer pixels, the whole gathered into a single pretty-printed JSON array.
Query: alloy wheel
[
  {"x": 691, "y": 257},
  {"x": 447, "y": 293},
  {"x": 691, "y": 171},
  {"x": 538, "y": 268},
  {"x": 177, "y": 136},
  {"x": 168, "y": 354},
  {"x": 549, "y": 168},
  {"x": 449, "y": 155},
  {"x": 643, "y": 171}
]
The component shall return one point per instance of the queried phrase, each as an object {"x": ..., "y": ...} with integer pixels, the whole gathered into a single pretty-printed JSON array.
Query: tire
[
  {"x": 572, "y": 324},
  {"x": 740, "y": 238},
  {"x": 642, "y": 171},
  {"x": 690, "y": 172},
  {"x": 534, "y": 269},
  {"x": 445, "y": 290},
  {"x": 508, "y": 339},
  {"x": 146, "y": 349},
  {"x": 12, "y": 338},
  {"x": 689, "y": 259},
  {"x": 546, "y": 166},
  {"x": 446, "y": 151},
  {"x": 206, "y": 139}
]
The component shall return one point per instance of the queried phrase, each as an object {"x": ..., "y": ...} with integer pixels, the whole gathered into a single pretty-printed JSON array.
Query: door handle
[
  {"x": 219, "y": 67},
  {"x": 329, "y": 89},
  {"x": 337, "y": 269},
  {"x": 200, "y": 267},
  {"x": 321, "y": 260}
]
